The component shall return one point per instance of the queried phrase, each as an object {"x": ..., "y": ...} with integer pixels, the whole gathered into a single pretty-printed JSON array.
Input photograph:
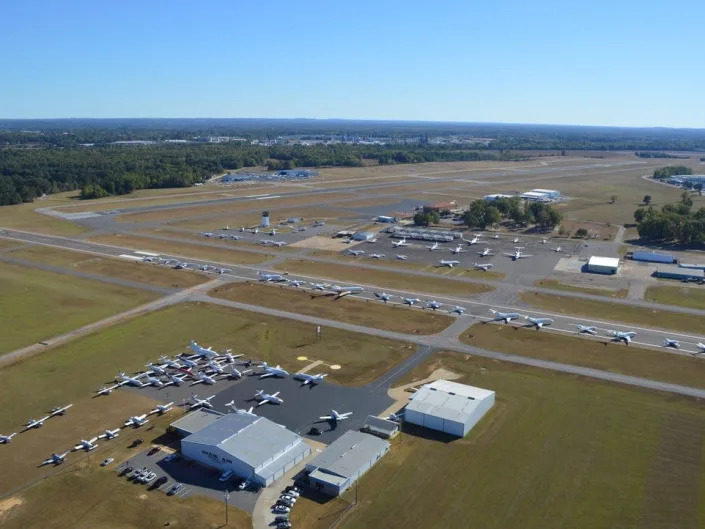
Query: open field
[
  {"x": 381, "y": 278},
  {"x": 133, "y": 271},
  {"x": 661, "y": 319},
  {"x": 350, "y": 310},
  {"x": 9, "y": 243},
  {"x": 36, "y": 305},
  {"x": 184, "y": 249},
  {"x": 557, "y": 285},
  {"x": 693, "y": 297},
  {"x": 571, "y": 349},
  {"x": 601, "y": 230},
  {"x": 24, "y": 217},
  {"x": 556, "y": 451}
]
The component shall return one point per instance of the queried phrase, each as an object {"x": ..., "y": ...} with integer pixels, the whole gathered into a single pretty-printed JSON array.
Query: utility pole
[
  {"x": 318, "y": 333},
  {"x": 227, "y": 496}
]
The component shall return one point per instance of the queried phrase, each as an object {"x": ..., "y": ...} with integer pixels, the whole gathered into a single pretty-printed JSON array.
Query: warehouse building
[
  {"x": 532, "y": 196},
  {"x": 692, "y": 265},
  {"x": 195, "y": 421},
  {"x": 363, "y": 236},
  {"x": 548, "y": 193},
  {"x": 344, "y": 461},
  {"x": 495, "y": 196},
  {"x": 448, "y": 407},
  {"x": 254, "y": 448},
  {"x": 652, "y": 257},
  {"x": 603, "y": 265},
  {"x": 671, "y": 271},
  {"x": 383, "y": 428}
]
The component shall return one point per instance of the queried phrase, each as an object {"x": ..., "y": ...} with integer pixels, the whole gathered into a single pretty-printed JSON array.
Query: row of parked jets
[{"x": 183, "y": 265}]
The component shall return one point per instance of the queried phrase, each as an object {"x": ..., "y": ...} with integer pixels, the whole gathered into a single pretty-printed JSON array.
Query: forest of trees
[
  {"x": 665, "y": 172},
  {"x": 481, "y": 213},
  {"x": 672, "y": 223}
]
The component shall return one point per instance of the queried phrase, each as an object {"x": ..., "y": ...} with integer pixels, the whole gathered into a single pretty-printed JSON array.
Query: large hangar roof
[
  {"x": 603, "y": 261},
  {"x": 348, "y": 454},
  {"x": 448, "y": 400}
]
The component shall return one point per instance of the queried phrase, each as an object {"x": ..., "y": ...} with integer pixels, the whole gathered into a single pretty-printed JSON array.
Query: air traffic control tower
[{"x": 265, "y": 219}]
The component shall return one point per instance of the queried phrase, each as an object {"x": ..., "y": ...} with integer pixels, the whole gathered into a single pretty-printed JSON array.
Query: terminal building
[
  {"x": 448, "y": 407},
  {"x": 253, "y": 448},
  {"x": 603, "y": 265},
  {"x": 344, "y": 461}
]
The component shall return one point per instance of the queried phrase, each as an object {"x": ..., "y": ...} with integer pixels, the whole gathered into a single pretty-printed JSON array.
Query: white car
[
  {"x": 226, "y": 476},
  {"x": 107, "y": 462},
  {"x": 280, "y": 509}
]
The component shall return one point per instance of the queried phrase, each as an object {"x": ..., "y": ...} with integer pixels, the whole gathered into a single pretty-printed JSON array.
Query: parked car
[
  {"x": 314, "y": 431},
  {"x": 107, "y": 461},
  {"x": 150, "y": 477},
  {"x": 285, "y": 497},
  {"x": 291, "y": 492},
  {"x": 126, "y": 471},
  {"x": 173, "y": 490},
  {"x": 286, "y": 503},
  {"x": 283, "y": 525},
  {"x": 171, "y": 457},
  {"x": 161, "y": 481},
  {"x": 282, "y": 509},
  {"x": 280, "y": 519},
  {"x": 136, "y": 443},
  {"x": 293, "y": 488},
  {"x": 153, "y": 451},
  {"x": 226, "y": 476}
]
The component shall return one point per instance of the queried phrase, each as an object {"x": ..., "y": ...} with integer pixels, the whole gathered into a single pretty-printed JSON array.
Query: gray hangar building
[
  {"x": 254, "y": 448},
  {"x": 448, "y": 407},
  {"x": 344, "y": 461}
]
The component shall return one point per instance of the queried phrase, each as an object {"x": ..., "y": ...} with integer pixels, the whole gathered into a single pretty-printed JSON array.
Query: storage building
[
  {"x": 363, "y": 235},
  {"x": 254, "y": 448},
  {"x": 344, "y": 461},
  {"x": 603, "y": 265},
  {"x": 692, "y": 265},
  {"x": 195, "y": 421},
  {"x": 548, "y": 193},
  {"x": 493, "y": 197},
  {"x": 535, "y": 197},
  {"x": 671, "y": 271},
  {"x": 448, "y": 406},
  {"x": 383, "y": 428},
  {"x": 653, "y": 257}
]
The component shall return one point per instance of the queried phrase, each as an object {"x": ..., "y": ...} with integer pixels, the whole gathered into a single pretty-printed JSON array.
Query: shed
[
  {"x": 603, "y": 265},
  {"x": 363, "y": 236},
  {"x": 653, "y": 257},
  {"x": 692, "y": 265},
  {"x": 380, "y": 427},
  {"x": 344, "y": 461},
  {"x": 671, "y": 271},
  {"x": 448, "y": 407}
]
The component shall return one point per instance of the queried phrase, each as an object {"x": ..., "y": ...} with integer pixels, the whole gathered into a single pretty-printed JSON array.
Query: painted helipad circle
[
  {"x": 302, "y": 358},
  {"x": 335, "y": 366}
]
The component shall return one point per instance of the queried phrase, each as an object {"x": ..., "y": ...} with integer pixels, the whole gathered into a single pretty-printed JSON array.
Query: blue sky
[{"x": 620, "y": 62}]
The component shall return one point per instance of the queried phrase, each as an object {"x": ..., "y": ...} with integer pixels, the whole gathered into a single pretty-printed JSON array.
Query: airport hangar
[
  {"x": 253, "y": 448},
  {"x": 603, "y": 265},
  {"x": 448, "y": 407}
]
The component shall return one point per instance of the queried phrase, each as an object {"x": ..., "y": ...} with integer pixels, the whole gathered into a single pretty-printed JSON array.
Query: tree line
[
  {"x": 662, "y": 173},
  {"x": 673, "y": 222}
]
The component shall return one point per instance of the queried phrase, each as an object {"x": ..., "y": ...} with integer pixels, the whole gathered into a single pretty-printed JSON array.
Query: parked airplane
[
  {"x": 278, "y": 244},
  {"x": 700, "y": 346},
  {"x": 202, "y": 378},
  {"x": 484, "y": 253},
  {"x": 483, "y": 266},
  {"x": 266, "y": 397},
  {"x": 296, "y": 282},
  {"x": 557, "y": 249},
  {"x": 215, "y": 367},
  {"x": 137, "y": 420},
  {"x": 154, "y": 381},
  {"x": 59, "y": 410},
  {"x": 372, "y": 241},
  {"x": 506, "y": 317},
  {"x": 230, "y": 358},
  {"x": 222, "y": 271},
  {"x": 236, "y": 373},
  {"x": 474, "y": 240},
  {"x": 449, "y": 264},
  {"x": 457, "y": 309},
  {"x": 269, "y": 278},
  {"x": 202, "y": 351},
  {"x": 516, "y": 240},
  {"x": 110, "y": 434},
  {"x": 319, "y": 286},
  {"x": 207, "y": 234},
  {"x": 123, "y": 379},
  {"x": 87, "y": 445},
  {"x": 4, "y": 439},
  {"x": 240, "y": 411},
  {"x": 495, "y": 236},
  {"x": 410, "y": 301},
  {"x": 36, "y": 423},
  {"x": 538, "y": 322},
  {"x": 434, "y": 246},
  {"x": 670, "y": 342},
  {"x": 344, "y": 290},
  {"x": 161, "y": 409},
  {"x": 188, "y": 363},
  {"x": 432, "y": 305},
  {"x": 273, "y": 232},
  {"x": 105, "y": 390},
  {"x": 227, "y": 227},
  {"x": 383, "y": 296},
  {"x": 458, "y": 249},
  {"x": 544, "y": 241},
  {"x": 377, "y": 256},
  {"x": 401, "y": 257},
  {"x": 397, "y": 244},
  {"x": 200, "y": 403},
  {"x": 586, "y": 329},
  {"x": 270, "y": 371},
  {"x": 55, "y": 459},
  {"x": 624, "y": 336},
  {"x": 310, "y": 379},
  {"x": 335, "y": 416},
  {"x": 517, "y": 255},
  {"x": 235, "y": 237}
]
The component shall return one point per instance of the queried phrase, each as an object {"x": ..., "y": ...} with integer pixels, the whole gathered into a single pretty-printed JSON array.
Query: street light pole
[{"x": 227, "y": 496}]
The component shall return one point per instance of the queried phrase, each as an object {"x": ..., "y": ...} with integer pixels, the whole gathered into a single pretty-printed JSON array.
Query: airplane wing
[
  {"x": 522, "y": 256},
  {"x": 277, "y": 393},
  {"x": 263, "y": 401},
  {"x": 326, "y": 418},
  {"x": 508, "y": 254},
  {"x": 265, "y": 375}
]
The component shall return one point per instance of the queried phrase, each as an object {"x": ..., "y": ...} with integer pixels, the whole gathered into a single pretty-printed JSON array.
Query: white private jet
[
  {"x": 670, "y": 342},
  {"x": 203, "y": 352},
  {"x": 433, "y": 304},
  {"x": 344, "y": 290},
  {"x": 586, "y": 329},
  {"x": 449, "y": 264},
  {"x": 495, "y": 236},
  {"x": 202, "y": 378},
  {"x": 200, "y": 403},
  {"x": 110, "y": 434},
  {"x": 557, "y": 249},
  {"x": 518, "y": 254},
  {"x": 87, "y": 445},
  {"x": 105, "y": 390},
  {"x": 474, "y": 240},
  {"x": 433, "y": 247},
  {"x": 457, "y": 309},
  {"x": 4, "y": 439},
  {"x": 169, "y": 362},
  {"x": 161, "y": 409},
  {"x": 175, "y": 380},
  {"x": 516, "y": 240},
  {"x": 36, "y": 423},
  {"x": 622, "y": 336},
  {"x": 55, "y": 459},
  {"x": 376, "y": 256},
  {"x": 356, "y": 253},
  {"x": 271, "y": 278},
  {"x": 335, "y": 416},
  {"x": 506, "y": 317},
  {"x": 240, "y": 411},
  {"x": 270, "y": 371},
  {"x": 264, "y": 398},
  {"x": 236, "y": 374},
  {"x": 482, "y": 266},
  {"x": 383, "y": 296},
  {"x": 458, "y": 249},
  {"x": 137, "y": 420},
  {"x": 59, "y": 410},
  {"x": 310, "y": 379},
  {"x": 135, "y": 381},
  {"x": 296, "y": 283},
  {"x": 485, "y": 253},
  {"x": 401, "y": 257},
  {"x": 410, "y": 301},
  {"x": 400, "y": 243},
  {"x": 538, "y": 323}
]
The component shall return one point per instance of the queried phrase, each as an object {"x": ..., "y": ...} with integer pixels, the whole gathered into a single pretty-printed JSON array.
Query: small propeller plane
[
  {"x": 36, "y": 423},
  {"x": 482, "y": 266},
  {"x": 622, "y": 336},
  {"x": 310, "y": 379},
  {"x": 355, "y": 253},
  {"x": 399, "y": 243},
  {"x": 110, "y": 434},
  {"x": 432, "y": 304},
  {"x": 377, "y": 256},
  {"x": 87, "y": 444},
  {"x": 240, "y": 411},
  {"x": 4, "y": 439},
  {"x": 586, "y": 329},
  {"x": 401, "y": 257},
  {"x": 59, "y": 410},
  {"x": 200, "y": 403},
  {"x": 670, "y": 342},
  {"x": 383, "y": 296},
  {"x": 538, "y": 323},
  {"x": 506, "y": 317},
  {"x": 55, "y": 459},
  {"x": 457, "y": 309},
  {"x": 271, "y": 278},
  {"x": 137, "y": 420},
  {"x": 449, "y": 264},
  {"x": 161, "y": 409},
  {"x": 410, "y": 301}
]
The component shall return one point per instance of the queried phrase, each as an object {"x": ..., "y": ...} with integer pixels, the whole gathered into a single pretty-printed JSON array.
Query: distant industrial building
[
  {"x": 386, "y": 219},
  {"x": 344, "y": 461},
  {"x": 691, "y": 179},
  {"x": 652, "y": 257},
  {"x": 532, "y": 196},
  {"x": 254, "y": 448},
  {"x": 363, "y": 236},
  {"x": 194, "y": 421},
  {"x": 492, "y": 198},
  {"x": 603, "y": 265},
  {"x": 448, "y": 407},
  {"x": 383, "y": 428},
  {"x": 670, "y": 271},
  {"x": 425, "y": 234},
  {"x": 553, "y": 194}
]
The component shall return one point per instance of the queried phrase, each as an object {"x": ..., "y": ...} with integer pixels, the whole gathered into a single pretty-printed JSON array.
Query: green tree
[
  {"x": 581, "y": 232},
  {"x": 613, "y": 198},
  {"x": 647, "y": 200}
]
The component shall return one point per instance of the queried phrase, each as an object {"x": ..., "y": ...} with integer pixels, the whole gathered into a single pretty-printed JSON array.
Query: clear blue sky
[{"x": 617, "y": 62}]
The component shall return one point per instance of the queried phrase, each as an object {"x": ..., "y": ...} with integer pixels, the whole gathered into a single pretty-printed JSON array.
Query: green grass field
[
  {"x": 604, "y": 310},
  {"x": 682, "y": 296},
  {"x": 36, "y": 305},
  {"x": 141, "y": 272},
  {"x": 557, "y": 285},
  {"x": 350, "y": 310},
  {"x": 382, "y": 278},
  {"x": 570, "y": 349},
  {"x": 24, "y": 217},
  {"x": 556, "y": 451}
]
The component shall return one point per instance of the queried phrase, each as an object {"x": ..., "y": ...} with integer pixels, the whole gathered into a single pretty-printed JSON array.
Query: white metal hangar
[
  {"x": 603, "y": 265},
  {"x": 448, "y": 406},
  {"x": 344, "y": 461},
  {"x": 254, "y": 448}
]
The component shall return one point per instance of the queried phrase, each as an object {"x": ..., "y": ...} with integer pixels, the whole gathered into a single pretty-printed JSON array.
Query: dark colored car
[
  {"x": 126, "y": 471},
  {"x": 160, "y": 481},
  {"x": 280, "y": 519},
  {"x": 314, "y": 431},
  {"x": 173, "y": 490},
  {"x": 284, "y": 525},
  {"x": 136, "y": 442},
  {"x": 153, "y": 451}
]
